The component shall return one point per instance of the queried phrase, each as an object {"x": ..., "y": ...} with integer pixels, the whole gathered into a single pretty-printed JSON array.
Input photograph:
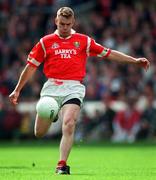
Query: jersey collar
[{"x": 72, "y": 32}]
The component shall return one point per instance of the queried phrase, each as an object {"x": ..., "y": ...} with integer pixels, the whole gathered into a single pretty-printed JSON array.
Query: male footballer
[{"x": 64, "y": 54}]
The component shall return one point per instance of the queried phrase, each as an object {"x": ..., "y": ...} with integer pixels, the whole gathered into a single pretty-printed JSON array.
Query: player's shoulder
[
  {"x": 80, "y": 35},
  {"x": 48, "y": 37},
  {"x": 83, "y": 36}
]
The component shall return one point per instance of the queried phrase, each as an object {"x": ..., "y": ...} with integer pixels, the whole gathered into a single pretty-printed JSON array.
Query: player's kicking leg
[
  {"x": 70, "y": 113},
  {"x": 41, "y": 126}
]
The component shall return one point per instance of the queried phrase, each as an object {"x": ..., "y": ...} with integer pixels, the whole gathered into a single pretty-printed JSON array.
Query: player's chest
[{"x": 65, "y": 49}]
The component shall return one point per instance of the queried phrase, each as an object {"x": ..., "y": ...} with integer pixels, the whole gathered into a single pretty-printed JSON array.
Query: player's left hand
[{"x": 143, "y": 62}]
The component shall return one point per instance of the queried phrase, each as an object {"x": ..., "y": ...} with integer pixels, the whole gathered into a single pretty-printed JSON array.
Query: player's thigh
[{"x": 41, "y": 126}]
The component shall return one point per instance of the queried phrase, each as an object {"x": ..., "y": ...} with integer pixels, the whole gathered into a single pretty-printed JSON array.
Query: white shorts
[{"x": 63, "y": 90}]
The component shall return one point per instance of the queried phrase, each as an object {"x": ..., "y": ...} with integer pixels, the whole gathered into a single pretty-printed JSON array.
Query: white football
[{"x": 47, "y": 108}]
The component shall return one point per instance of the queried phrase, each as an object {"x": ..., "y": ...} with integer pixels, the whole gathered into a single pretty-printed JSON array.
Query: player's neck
[{"x": 65, "y": 36}]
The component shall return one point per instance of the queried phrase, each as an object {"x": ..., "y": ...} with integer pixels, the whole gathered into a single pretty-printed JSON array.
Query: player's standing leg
[{"x": 70, "y": 113}]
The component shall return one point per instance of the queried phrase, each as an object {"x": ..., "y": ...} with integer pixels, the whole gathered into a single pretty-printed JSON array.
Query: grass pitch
[{"x": 37, "y": 161}]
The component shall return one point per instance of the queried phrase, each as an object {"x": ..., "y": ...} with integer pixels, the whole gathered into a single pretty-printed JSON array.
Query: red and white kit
[{"x": 65, "y": 58}]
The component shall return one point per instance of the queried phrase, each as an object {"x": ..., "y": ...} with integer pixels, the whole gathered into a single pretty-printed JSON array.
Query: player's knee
[{"x": 69, "y": 126}]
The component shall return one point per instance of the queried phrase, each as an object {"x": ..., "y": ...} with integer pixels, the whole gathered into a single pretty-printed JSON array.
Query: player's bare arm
[
  {"x": 123, "y": 58},
  {"x": 24, "y": 77}
]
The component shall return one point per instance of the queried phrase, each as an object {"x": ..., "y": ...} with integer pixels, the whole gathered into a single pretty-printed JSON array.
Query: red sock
[{"x": 61, "y": 163}]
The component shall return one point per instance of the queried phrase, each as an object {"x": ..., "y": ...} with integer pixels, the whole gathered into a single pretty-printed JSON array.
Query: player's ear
[{"x": 73, "y": 21}]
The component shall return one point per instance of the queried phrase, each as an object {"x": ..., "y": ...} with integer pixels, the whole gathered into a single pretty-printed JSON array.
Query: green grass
[{"x": 37, "y": 161}]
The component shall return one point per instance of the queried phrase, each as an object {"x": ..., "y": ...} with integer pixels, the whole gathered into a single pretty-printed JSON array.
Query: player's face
[{"x": 64, "y": 25}]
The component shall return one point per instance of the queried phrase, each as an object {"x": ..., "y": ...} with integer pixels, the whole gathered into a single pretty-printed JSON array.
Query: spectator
[
  {"x": 12, "y": 121},
  {"x": 126, "y": 122},
  {"x": 148, "y": 118}
]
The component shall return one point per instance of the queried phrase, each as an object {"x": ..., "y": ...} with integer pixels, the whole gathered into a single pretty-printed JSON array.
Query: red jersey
[{"x": 65, "y": 58}]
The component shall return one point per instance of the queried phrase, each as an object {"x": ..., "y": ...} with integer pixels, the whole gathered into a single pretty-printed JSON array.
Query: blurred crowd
[{"x": 126, "y": 26}]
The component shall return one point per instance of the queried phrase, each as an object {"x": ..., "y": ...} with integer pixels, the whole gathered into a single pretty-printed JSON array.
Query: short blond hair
[{"x": 65, "y": 12}]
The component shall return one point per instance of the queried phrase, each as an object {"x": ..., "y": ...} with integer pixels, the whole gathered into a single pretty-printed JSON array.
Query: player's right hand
[{"x": 13, "y": 97}]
